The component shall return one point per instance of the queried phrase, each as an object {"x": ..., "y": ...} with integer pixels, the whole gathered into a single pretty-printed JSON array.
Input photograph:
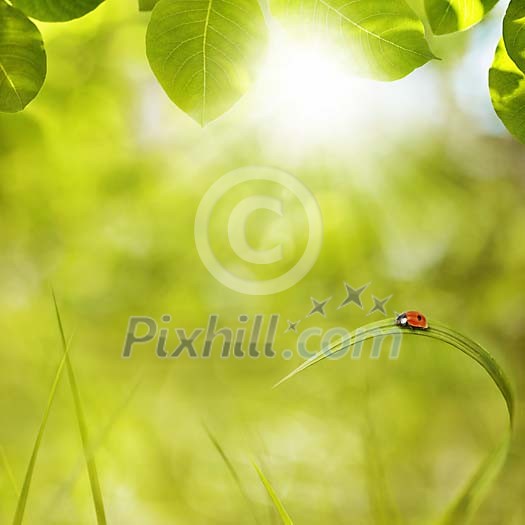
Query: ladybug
[{"x": 412, "y": 319}]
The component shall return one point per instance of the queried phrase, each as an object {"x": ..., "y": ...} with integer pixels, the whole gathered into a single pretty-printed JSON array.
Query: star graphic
[
  {"x": 292, "y": 327},
  {"x": 379, "y": 305},
  {"x": 318, "y": 307},
  {"x": 353, "y": 295}
]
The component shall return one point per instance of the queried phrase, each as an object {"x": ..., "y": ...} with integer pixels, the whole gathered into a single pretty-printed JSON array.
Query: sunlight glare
[
  {"x": 308, "y": 95},
  {"x": 308, "y": 83}
]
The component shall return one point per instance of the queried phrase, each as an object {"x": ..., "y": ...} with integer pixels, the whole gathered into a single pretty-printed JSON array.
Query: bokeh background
[{"x": 422, "y": 195}]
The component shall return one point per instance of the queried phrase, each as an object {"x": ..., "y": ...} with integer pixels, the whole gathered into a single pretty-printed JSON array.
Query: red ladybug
[{"x": 412, "y": 319}]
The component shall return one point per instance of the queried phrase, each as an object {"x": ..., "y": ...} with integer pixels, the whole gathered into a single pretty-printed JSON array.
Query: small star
[
  {"x": 379, "y": 305},
  {"x": 353, "y": 295},
  {"x": 318, "y": 307},
  {"x": 292, "y": 327}
]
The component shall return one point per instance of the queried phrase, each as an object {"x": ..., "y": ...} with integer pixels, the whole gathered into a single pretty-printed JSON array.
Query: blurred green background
[{"x": 422, "y": 194}]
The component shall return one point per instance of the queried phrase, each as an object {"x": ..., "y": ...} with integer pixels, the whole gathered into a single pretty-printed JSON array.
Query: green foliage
[
  {"x": 514, "y": 32},
  {"x": 384, "y": 39},
  {"x": 22, "y": 59},
  {"x": 507, "y": 91},
  {"x": 204, "y": 52},
  {"x": 448, "y": 16},
  {"x": 111, "y": 220},
  {"x": 56, "y": 10}
]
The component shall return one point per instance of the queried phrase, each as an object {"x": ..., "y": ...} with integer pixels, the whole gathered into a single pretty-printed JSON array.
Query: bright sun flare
[
  {"x": 308, "y": 83},
  {"x": 307, "y": 94}
]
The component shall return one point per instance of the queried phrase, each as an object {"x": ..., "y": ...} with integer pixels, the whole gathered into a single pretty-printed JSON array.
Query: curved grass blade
[
  {"x": 357, "y": 337},
  {"x": 232, "y": 470},
  {"x": 462, "y": 510},
  {"x": 279, "y": 507},
  {"x": 22, "y": 500},
  {"x": 90, "y": 460}
]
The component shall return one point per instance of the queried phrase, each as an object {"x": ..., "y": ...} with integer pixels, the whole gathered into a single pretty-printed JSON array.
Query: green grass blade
[
  {"x": 279, "y": 507},
  {"x": 81, "y": 420},
  {"x": 382, "y": 504},
  {"x": 464, "y": 507},
  {"x": 369, "y": 331},
  {"x": 22, "y": 500},
  {"x": 231, "y": 469},
  {"x": 95, "y": 445},
  {"x": 9, "y": 471}
]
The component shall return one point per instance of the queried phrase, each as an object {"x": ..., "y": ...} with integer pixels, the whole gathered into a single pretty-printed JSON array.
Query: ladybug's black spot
[{"x": 419, "y": 318}]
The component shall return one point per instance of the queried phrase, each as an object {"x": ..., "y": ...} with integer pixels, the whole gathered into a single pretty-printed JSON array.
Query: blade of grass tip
[
  {"x": 22, "y": 499},
  {"x": 279, "y": 507},
  {"x": 231, "y": 469},
  {"x": 464, "y": 507},
  {"x": 361, "y": 334},
  {"x": 9, "y": 471},
  {"x": 256, "y": 438},
  {"x": 81, "y": 420}
]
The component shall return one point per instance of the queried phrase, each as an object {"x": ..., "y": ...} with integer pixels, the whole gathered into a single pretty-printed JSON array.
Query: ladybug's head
[{"x": 401, "y": 319}]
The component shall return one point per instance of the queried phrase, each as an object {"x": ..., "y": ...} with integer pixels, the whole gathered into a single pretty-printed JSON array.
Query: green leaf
[
  {"x": 463, "y": 508},
  {"x": 507, "y": 91},
  {"x": 448, "y": 16},
  {"x": 147, "y": 5},
  {"x": 81, "y": 420},
  {"x": 514, "y": 32},
  {"x": 24, "y": 493},
  {"x": 384, "y": 39},
  {"x": 22, "y": 59},
  {"x": 279, "y": 507},
  {"x": 56, "y": 10},
  {"x": 204, "y": 52}
]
